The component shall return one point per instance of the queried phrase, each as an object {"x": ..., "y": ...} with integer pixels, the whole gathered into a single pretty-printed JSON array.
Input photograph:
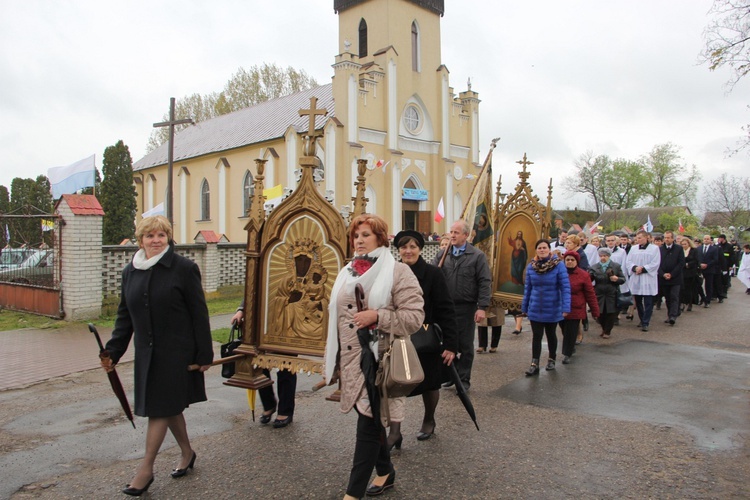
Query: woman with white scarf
[
  {"x": 394, "y": 305},
  {"x": 163, "y": 309}
]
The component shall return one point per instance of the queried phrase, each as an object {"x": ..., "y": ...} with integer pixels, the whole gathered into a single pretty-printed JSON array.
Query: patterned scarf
[{"x": 544, "y": 265}]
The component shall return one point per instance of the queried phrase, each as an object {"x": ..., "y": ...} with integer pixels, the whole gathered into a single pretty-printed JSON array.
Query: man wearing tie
[
  {"x": 670, "y": 275},
  {"x": 470, "y": 283},
  {"x": 708, "y": 257}
]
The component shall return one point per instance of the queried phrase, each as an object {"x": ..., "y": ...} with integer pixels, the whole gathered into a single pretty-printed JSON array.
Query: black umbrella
[
  {"x": 460, "y": 389},
  {"x": 114, "y": 379},
  {"x": 367, "y": 362}
]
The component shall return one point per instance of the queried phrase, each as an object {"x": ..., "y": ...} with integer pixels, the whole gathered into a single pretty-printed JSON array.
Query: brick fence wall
[{"x": 221, "y": 264}]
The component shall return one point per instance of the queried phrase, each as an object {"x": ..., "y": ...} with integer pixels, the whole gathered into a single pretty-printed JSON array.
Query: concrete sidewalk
[{"x": 30, "y": 355}]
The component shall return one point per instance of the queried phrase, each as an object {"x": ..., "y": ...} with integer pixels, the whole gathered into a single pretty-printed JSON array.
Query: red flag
[{"x": 681, "y": 228}]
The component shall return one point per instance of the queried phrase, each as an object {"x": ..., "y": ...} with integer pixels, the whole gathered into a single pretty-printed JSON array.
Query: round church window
[{"x": 412, "y": 119}]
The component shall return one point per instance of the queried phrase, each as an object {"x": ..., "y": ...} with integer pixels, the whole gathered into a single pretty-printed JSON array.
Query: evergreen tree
[
  {"x": 117, "y": 194},
  {"x": 4, "y": 208},
  {"x": 4, "y": 200}
]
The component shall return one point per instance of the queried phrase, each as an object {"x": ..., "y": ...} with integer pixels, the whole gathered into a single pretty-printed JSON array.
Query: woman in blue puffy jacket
[{"x": 546, "y": 301}]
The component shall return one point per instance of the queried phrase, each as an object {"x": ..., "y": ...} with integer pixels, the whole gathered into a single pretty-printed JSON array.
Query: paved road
[{"x": 656, "y": 415}]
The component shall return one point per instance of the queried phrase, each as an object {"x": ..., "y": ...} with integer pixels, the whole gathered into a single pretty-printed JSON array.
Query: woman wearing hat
[
  {"x": 608, "y": 276},
  {"x": 581, "y": 293},
  {"x": 438, "y": 309}
]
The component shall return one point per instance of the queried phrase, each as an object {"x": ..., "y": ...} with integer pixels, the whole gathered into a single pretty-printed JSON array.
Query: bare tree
[
  {"x": 727, "y": 36},
  {"x": 729, "y": 195},
  {"x": 589, "y": 177},
  {"x": 244, "y": 89}
]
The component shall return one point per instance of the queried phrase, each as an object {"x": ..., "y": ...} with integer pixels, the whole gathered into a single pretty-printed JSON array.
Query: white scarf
[
  {"x": 376, "y": 282},
  {"x": 141, "y": 263}
]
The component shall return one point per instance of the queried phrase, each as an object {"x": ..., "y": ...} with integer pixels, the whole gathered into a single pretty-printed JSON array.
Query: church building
[{"x": 390, "y": 102}]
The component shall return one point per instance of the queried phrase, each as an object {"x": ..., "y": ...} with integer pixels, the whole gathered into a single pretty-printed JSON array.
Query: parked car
[
  {"x": 11, "y": 258},
  {"x": 37, "y": 269}
]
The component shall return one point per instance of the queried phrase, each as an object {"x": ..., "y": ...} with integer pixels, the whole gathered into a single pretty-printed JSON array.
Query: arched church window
[
  {"x": 247, "y": 191},
  {"x": 415, "y": 62},
  {"x": 362, "y": 38},
  {"x": 205, "y": 201}
]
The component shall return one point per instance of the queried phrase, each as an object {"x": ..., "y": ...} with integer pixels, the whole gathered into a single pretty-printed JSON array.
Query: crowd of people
[{"x": 565, "y": 281}]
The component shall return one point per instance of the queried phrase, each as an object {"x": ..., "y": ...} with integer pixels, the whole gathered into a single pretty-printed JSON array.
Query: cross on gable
[
  {"x": 524, "y": 175},
  {"x": 313, "y": 112}
]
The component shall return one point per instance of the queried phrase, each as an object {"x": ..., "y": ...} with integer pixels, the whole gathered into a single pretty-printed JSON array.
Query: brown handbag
[{"x": 399, "y": 370}]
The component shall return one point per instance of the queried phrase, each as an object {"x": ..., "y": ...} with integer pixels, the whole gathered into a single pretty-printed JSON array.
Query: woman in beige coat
[{"x": 394, "y": 304}]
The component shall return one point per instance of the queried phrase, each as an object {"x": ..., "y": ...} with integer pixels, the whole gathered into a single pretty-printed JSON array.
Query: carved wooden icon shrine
[{"x": 293, "y": 257}]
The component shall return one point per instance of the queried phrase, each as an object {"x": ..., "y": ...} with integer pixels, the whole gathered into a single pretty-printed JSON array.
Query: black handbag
[
  {"x": 235, "y": 340},
  {"x": 428, "y": 339}
]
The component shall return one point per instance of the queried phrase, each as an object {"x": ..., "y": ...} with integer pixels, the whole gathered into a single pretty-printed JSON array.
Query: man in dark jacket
[
  {"x": 470, "y": 283},
  {"x": 708, "y": 259},
  {"x": 670, "y": 275},
  {"x": 726, "y": 261}
]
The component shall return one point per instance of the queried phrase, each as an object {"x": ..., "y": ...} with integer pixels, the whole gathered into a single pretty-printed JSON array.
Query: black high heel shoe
[
  {"x": 135, "y": 492},
  {"x": 424, "y": 436},
  {"x": 178, "y": 473},
  {"x": 397, "y": 443},
  {"x": 265, "y": 418},
  {"x": 373, "y": 491}
]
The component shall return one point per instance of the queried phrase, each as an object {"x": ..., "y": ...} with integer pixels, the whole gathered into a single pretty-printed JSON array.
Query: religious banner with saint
[
  {"x": 478, "y": 212},
  {"x": 520, "y": 220}
]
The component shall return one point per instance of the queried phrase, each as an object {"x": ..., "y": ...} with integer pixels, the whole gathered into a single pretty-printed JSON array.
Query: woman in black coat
[
  {"x": 438, "y": 308},
  {"x": 689, "y": 274},
  {"x": 608, "y": 276},
  {"x": 162, "y": 305}
]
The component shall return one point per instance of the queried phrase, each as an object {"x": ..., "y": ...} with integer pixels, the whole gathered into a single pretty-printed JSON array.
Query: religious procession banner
[{"x": 478, "y": 212}]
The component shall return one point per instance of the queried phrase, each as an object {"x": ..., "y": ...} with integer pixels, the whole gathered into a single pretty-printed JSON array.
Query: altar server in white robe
[
  {"x": 744, "y": 271},
  {"x": 642, "y": 265}
]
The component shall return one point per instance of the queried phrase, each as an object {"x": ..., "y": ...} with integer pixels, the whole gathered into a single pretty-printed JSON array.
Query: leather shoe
[
  {"x": 266, "y": 417},
  {"x": 373, "y": 491},
  {"x": 671, "y": 321},
  {"x": 135, "y": 492},
  {"x": 278, "y": 424},
  {"x": 447, "y": 385},
  {"x": 178, "y": 473}
]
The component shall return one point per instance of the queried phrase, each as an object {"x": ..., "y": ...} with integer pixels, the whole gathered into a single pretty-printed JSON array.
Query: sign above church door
[{"x": 414, "y": 194}]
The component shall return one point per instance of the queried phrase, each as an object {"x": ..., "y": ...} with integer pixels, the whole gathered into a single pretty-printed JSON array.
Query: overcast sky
[{"x": 555, "y": 78}]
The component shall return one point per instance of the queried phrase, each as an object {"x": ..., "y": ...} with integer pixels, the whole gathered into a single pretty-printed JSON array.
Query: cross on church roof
[{"x": 524, "y": 175}]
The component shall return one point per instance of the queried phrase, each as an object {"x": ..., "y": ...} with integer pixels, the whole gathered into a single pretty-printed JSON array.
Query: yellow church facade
[{"x": 390, "y": 102}]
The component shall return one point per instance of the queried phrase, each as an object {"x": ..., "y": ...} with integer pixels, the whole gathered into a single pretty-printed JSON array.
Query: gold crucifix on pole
[
  {"x": 170, "y": 154},
  {"x": 524, "y": 175},
  {"x": 312, "y": 134}
]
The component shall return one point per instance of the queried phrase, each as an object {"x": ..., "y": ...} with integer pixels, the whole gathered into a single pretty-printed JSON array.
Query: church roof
[
  {"x": 263, "y": 122},
  {"x": 436, "y": 6}
]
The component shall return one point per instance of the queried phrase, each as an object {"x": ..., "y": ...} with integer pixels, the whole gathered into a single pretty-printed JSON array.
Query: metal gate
[{"x": 30, "y": 263}]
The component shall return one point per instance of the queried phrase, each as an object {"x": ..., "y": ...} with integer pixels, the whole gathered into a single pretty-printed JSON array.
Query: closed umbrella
[
  {"x": 460, "y": 389},
  {"x": 367, "y": 362},
  {"x": 114, "y": 379}
]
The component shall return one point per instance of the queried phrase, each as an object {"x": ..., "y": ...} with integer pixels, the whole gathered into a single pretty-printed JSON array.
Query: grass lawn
[{"x": 224, "y": 300}]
